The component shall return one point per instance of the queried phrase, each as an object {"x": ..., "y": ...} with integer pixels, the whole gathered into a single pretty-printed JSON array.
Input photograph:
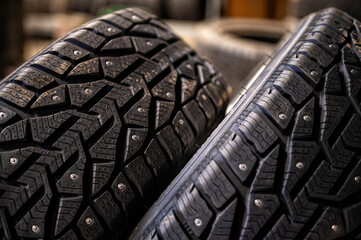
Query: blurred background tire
[
  {"x": 302, "y": 8},
  {"x": 235, "y": 46}
]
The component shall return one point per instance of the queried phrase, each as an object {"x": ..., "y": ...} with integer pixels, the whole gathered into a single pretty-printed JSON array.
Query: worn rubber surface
[
  {"x": 95, "y": 126},
  {"x": 286, "y": 162},
  {"x": 237, "y": 46}
]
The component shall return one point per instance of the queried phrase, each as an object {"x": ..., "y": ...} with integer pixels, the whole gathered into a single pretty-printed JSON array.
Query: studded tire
[
  {"x": 285, "y": 163},
  {"x": 95, "y": 126}
]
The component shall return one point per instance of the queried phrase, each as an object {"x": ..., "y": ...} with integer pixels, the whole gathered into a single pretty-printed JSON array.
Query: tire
[
  {"x": 95, "y": 126},
  {"x": 286, "y": 162},
  {"x": 303, "y": 7},
  {"x": 236, "y": 46}
]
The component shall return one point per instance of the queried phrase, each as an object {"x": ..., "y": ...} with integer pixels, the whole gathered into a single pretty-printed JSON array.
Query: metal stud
[
  {"x": 352, "y": 71},
  {"x": 110, "y": 29},
  {"x": 331, "y": 45},
  {"x": 77, "y": 52},
  {"x": 89, "y": 221},
  {"x": 88, "y": 91},
  {"x": 56, "y": 98},
  {"x": 306, "y": 117},
  {"x": 198, "y": 222},
  {"x": 357, "y": 179},
  {"x": 168, "y": 94},
  {"x": 149, "y": 43},
  {"x": 13, "y": 160},
  {"x": 204, "y": 97},
  {"x": 140, "y": 109},
  {"x": 189, "y": 66},
  {"x": 282, "y": 116},
  {"x": 121, "y": 186},
  {"x": 218, "y": 83},
  {"x": 35, "y": 228},
  {"x": 2, "y": 115},
  {"x": 242, "y": 167},
  {"x": 135, "y": 18},
  {"x": 314, "y": 73},
  {"x": 181, "y": 121},
  {"x": 73, "y": 176},
  {"x": 299, "y": 165},
  {"x": 335, "y": 228},
  {"x": 135, "y": 137},
  {"x": 109, "y": 63},
  {"x": 258, "y": 202}
]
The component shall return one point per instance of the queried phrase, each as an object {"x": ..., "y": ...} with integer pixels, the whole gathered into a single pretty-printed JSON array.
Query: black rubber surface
[
  {"x": 286, "y": 162},
  {"x": 95, "y": 126}
]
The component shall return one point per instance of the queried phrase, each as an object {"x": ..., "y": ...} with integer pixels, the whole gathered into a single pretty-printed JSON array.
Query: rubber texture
[
  {"x": 95, "y": 126},
  {"x": 236, "y": 46},
  {"x": 302, "y": 8},
  {"x": 285, "y": 163}
]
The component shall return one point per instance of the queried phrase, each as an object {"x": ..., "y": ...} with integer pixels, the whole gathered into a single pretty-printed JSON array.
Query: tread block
[
  {"x": 163, "y": 113},
  {"x": 114, "y": 66},
  {"x": 156, "y": 159},
  {"x": 165, "y": 89},
  {"x": 176, "y": 52},
  {"x": 108, "y": 210},
  {"x": 118, "y": 20},
  {"x": 149, "y": 70},
  {"x": 189, "y": 87},
  {"x": 52, "y": 63},
  {"x": 214, "y": 184},
  {"x": 323, "y": 41},
  {"x": 323, "y": 179},
  {"x": 101, "y": 175},
  {"x": 333, "y": 81},
  {"x": 69, "y": 50},
  {"x": 333, "y": 109},
  {"x": 277, "y": 107},
  {"x": 169, "y": 228},
  {"x": 301, "y": 154},
  {"x": 352, "y": 80},
  {"x": 258, "y": 132},
  {"x": 312, "y": 50},
  {"x": 348, "y": 55},
  {"x": 258, "y": 205},
  {"x": 51, "y": 98},
  {"x": 106, "y": 147},
  {"x": 293, "y": 84},
  {"x": 68, "y": 207},
  {"x": 206, "y": 104},
  {"x": 124, "y": 193},
  {"x": 194, "y": 210},
  {"x": 145, "y": 45},
  {"x": 34, "y": 78},
  {"x": 172, "y": 145},
  {"x": 80, "y": 94},
  {"x": 134, "y": 141},
  {"x": 183, "y": 129},
  {"x": 86, "y": 37},
  {"x": 86, "y": 69},
  {"x": 120, "y": 44},
  {"x": 15, "y": 132},
  {"x": 238, "y": 156},
  {"x": 304, "y": 122},
  {"x": 196, "y": 117},
  {"x": 266, "y": 172},
  {"x": 323, "y": 227},
  {"x": 306, "y": 67},
  {"x": 89, "y": 225},
  {"x": 222, "y": 226},
  {"x": 104, "y": 28},
  {"x": 138, "y": 114},
  {"x": 140, "y": 175},
  {"x": 352, "y": 134},
  {"x": 16, "y": 94}
]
